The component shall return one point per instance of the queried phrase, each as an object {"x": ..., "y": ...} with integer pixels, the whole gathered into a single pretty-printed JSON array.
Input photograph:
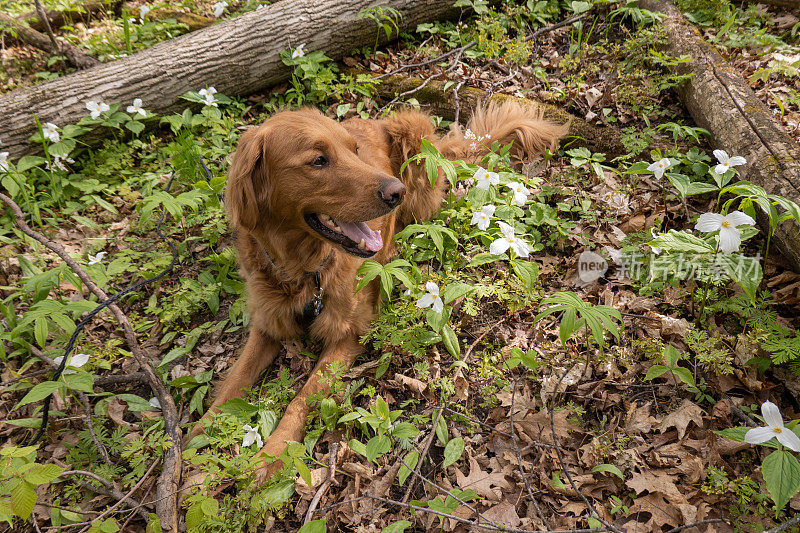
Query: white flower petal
[
  {"x": 758, "y": 435},
  {"x": 507, "y": 230},
  {"x": 729, "y": 240},
  {"x": 484, "y": 223},
  {"x": 772, "y": 415},
  {"x": 737, "y": 160},
  {"x": 720, "y": 169},
  {"x": 737, "y": 218},
  {"x": 438, "y": 304},
  {"x": 520, "y": 248},
  {"x": 78, "y": 360},
  {"x": 788, "y": 438},
  {"x": 154, "y": 402},
  {"x": 721, "y": 155},
  {"x": 249, "y": 439},
  {"x": 499, "y": 246},
  {"x": 488, "y": 210},
  {"x": 425, "y": 301},
  {"x": 432, "y": 288},
  {"x": 709, "y": 222}
]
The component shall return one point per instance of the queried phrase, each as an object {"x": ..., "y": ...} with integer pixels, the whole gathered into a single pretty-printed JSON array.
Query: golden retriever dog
[{"x": 309, "y": 200}]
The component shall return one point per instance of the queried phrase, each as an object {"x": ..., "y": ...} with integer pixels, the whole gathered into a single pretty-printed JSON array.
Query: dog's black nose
[{"x": 392, "y": 191}]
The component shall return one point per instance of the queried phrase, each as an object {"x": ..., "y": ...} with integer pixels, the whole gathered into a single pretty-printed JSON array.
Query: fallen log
[
  {"x": 238, "y": 56},
  {"x": 70, "y": 16},
  {"x": 720, "y": 100},
  {"x": 41, "y": 41},
  {"x": 440, "y": 101}
]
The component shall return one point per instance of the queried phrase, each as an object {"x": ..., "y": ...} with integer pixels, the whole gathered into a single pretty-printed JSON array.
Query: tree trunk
[
  {"x": 721, "y": 101},
  {"x": 787, "y": 4},
  {"x": 238, "y": 56},
  {"x": 442, "y": 103},
  {"x": 60, "y": 18},
  {"x": 41, "y": 41}
]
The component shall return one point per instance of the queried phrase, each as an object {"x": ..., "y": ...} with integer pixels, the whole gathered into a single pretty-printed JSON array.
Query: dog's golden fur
[{"x": 278, "y": 177}]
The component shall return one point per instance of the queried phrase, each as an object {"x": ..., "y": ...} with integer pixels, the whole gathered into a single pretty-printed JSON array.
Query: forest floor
[{"x": 624, "y": 409}]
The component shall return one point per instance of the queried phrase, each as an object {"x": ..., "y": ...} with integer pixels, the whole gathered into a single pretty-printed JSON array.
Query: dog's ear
[{"x": 246, "y": 192}]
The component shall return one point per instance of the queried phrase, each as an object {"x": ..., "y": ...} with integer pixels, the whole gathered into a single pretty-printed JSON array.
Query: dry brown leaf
[
  {"x": 661, "y": 513},
  {"x": 656, "y": 481},
  {"x": 503, "y": 513},
  {"x": 638, "y": 419},
  {"x": 680, "y": 419},
  {"x": 487, "y": 485}
]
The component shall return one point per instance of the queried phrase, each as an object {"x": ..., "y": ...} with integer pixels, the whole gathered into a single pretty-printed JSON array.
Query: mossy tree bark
[
  {"x": 238, "y": 56},
  {"x": 441, "y": 102},
  {"x": 721, "y": 101}
]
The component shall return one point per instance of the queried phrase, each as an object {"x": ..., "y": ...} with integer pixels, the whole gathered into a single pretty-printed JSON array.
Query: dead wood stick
[
  {"x": 721, "y": 101},
  {"x": 438, "y": 101},
  {"x": 34, "y": 38},
  {"x": 56, "y": 18},
  {"x": 167, "y": 487},
  {"x": 322, "y": 488},
  {"x": 422, "y": 456},
  {"x": 48, "y": 30},
  {"x": 107, "y": 489},
  {"x": 127, "y": 496}
]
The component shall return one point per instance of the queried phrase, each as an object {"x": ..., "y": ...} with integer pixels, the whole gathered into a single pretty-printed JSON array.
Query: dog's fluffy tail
[
  {"x": 509, "y": 121},
  {"x": 506, "y": 122}
]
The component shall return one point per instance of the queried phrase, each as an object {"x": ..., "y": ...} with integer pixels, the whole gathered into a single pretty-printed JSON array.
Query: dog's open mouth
[{"x": 355, "y": 237}]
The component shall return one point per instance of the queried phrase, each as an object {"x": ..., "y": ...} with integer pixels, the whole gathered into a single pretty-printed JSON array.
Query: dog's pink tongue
[{"x": 356, "y": 231}]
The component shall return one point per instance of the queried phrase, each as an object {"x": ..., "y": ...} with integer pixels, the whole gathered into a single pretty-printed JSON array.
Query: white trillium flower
[
  {"x": 483, "y": 217},
  {"x": 659, "y": 167},
  {"x": 485, "y": 178},
  {"x": 76, "y": 361},
  {"x": 509, "y": 240},
  {"x": 50, "y": 131},
  {"x": 251, "y": 436},
  {"x": 520, "y": 193},
  {"x": 137, "y": 107},
  {"x": 143, "y": 11},
  {"x": 774, "y": 428},
  {"x": 154, "y": 402},
  {"x": 3, "y": 161},
  {"x": 210, "y": 100},
  {"x": 299, "y": 52},
  {"x": 96, "y": 108},
  {"x": 656, "y": 249},
  {"x": 219, "y": 8},
  {"x": 58, "y": 163},
  {"x": 726, "y": 162},
  {"x": 729, "y": 236},
  {"x": 208, "y": 91},
  {"x": 94, "y": 259},
  {"x": 432, "y": 298}
]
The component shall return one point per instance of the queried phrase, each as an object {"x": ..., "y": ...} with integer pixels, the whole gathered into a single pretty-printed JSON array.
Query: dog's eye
[{"x": 320, "y": 161}]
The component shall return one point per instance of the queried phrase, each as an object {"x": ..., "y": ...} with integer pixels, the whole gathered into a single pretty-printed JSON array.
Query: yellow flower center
[
  {"x": 777, "y": 430},
  {"x": 726, "y": 224},
  {"x": 511, "y": 239},
  {"x": 661, "y": 165}
]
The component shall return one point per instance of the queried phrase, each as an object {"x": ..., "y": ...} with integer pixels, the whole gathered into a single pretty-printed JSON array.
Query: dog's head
[{"x": 301, "y": 170}]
